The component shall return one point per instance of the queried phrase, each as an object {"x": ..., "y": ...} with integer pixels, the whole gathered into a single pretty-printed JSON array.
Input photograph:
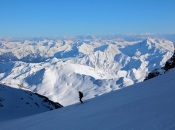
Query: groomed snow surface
[{"x": 149, "y": 105}]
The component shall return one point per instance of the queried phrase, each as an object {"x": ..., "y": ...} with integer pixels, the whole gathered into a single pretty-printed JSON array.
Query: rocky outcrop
[
  {"x": 21, "y": 98},
  {"x": 168, "y": 65}
]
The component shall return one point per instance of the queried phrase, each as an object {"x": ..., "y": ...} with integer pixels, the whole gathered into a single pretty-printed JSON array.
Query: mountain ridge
[
  {"x": 21, "y": 102},
  {"x": 39, "y": 51}
]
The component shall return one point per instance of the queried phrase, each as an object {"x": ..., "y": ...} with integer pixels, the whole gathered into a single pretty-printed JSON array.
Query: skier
[{"x": 80, "y": 96}]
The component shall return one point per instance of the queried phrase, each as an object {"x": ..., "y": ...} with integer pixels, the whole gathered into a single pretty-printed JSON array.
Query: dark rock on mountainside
[
  {"x": 10, "y": 97},
  {"x": 168, "y": 65},
  {"x": 21, "y": 102},
  {"x": 45, "y": 99}
]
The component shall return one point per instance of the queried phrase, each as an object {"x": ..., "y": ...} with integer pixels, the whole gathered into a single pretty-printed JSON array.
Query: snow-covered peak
[{"x": 159, "y": 43}]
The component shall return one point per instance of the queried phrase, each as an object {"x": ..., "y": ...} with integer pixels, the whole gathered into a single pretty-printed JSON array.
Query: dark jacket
[{"x": 80, "y": 94}]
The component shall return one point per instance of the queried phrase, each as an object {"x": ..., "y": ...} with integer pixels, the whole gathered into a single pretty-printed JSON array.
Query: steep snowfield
[
  {"x": 148, "y": 105},
  {"x": 99, "y": 67},
  {"x": 19, "y": 102}
]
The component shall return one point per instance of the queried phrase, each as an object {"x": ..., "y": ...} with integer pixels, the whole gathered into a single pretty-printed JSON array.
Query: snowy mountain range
[
  {"x": 60, "y": 67},
  {"x": 40, "y": 49}
]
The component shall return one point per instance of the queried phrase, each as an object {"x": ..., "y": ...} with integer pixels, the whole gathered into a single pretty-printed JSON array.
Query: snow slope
[
  {"x": 19, "y": 102},
  {"x": 148, "y": 105},
  {"x": 94, "y": 66}
]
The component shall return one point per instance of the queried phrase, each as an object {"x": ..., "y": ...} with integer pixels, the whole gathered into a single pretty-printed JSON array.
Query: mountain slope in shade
[
  {"x": 148, "y": 105},
  {"x": 16, "y": 103}
]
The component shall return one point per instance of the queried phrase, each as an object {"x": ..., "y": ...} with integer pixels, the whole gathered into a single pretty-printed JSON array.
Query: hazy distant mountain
[{"x": 40, "y": 49}]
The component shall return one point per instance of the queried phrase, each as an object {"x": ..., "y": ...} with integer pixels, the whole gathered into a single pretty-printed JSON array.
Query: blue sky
[{"x": 31, "y": 18}]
